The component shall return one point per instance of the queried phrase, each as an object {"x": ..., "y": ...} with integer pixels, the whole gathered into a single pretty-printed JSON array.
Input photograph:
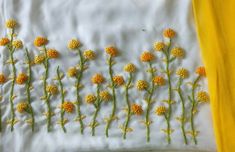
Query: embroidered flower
[
  {"x": 141, "y": 85},
  {"x": 182, "y": 73},
  {"x": 112, "y": 51},
  {"x": 159, "y": 80},
  {"x": 52, "y": 89},
  {"x": 158, "y": 46},
  {"x": 201, "y": 71},
  {"x": 136, "y": 109},
  {"x": 161, "y": 110},
  {"x": 169, "y": 33},
  {"x": 4, "y": 41},
  {"x": 22, "y": 107},
  {"x": 177, "y": 52},
  {"x": 40, "y": 41},
  {"x": 202, "y": 96},
  {"x": 147, "y": 56},
  {"x": 90, "y": 98},
  {"x": 18, "y": 44},
  {"x": 72, "y": 72},
  {"x": 89, "y": 54},
  {"x": 52, "y": 53},
  {"x": 68, "y": 107},
  {"x": 105, "y": 96},
  {"x": 21, "y": 78},
  {"x": 118, "y": 80},
  {"x": 73, "y": 44},
  {"x": 11, "y": 23},
  {"x": 130, "y": 68},
  {"x": 97, "y": 79},
  {"x": 39, "y": 59},
  {"x": 2, "y": 78}
]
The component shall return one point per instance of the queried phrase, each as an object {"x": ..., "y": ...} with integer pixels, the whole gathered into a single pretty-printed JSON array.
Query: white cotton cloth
[{"x": 130, "y": 25}]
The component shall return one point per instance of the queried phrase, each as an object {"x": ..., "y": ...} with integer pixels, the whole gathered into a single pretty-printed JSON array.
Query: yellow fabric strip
[{"x": 215, "y": 21}]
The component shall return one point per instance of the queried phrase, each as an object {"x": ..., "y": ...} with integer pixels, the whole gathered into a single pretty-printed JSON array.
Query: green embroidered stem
[
  {"x": 97, "y": 106},
  {"x": 46, "y": 64},
  {"x": 147, "y": 121},
  {"x": 62, "y": 98},
  {"x": 79, "y": 77},
  {"x": 28, "y": 88},
  {"x": 109, "y": 121},
  {"x": 193, "y": 109},
  {"x": 128, "y": 106},
  {"x": 183, "y": 117}
]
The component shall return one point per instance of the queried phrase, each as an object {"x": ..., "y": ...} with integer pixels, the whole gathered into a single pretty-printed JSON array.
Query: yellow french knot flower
[
  {"x": 39, "y": 59},
  {"x": 68, "y": 107},
  {"x": 118, "y": 80},
  {"x": 202, "y": 96},
  {"x": 201, "y": 71},
  {"x": 52, "y": 89},
  {"x": 4, "y": 41},
  {"x": 97, "y": 79},
  {"x": 89, "y": 54},
  {"x": 161, "y": 110},
  {"x": 136, "y": 109},
  {"x": 18, "y": 44},
  {"x": 177, "y": 52},
  {"x": 72, "y": 72},
  {"x": 2, "y": 78},
  {"x": 147, "y": 56},
  {"x": 105, "y": 96},
  {"x": 52, "y": 53},
  {"x": 158, "y": 46},
  {"x": 141, "y": 85},
  {"x": 73, "y": 44},
  {"x": 11, "y": 23},
  {"x": 159, "y": 80},
  {"x": 21, "y": 78},
  {"x": 22, "y": 107},
  {"x": 40, "y": 41},
  {"x": 169, "y": 33},
  {"x": 182, "y": 73},
  {"x": 90, "y": 98},
  {"x": 130, "y": 68},
  {"x": 112, "y": 51}
]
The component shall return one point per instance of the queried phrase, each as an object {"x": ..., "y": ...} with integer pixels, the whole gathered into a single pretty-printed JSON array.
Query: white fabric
[{"x": 132, "y": 26}]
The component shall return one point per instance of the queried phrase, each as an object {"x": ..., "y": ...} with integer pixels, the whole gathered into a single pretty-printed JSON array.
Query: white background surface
[{"x": 132, "y": 26}]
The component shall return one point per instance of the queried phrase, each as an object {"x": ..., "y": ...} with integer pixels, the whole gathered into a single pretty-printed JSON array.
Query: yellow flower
[
  {"x": 130, "y": 68},
  {"x": 169, "y": 33},
  {"x": 159, "y": 80},
  {"x": 21, "y": 78},
  {"x": 11, "y": 23},
  {"x": 201, "y": 71},
  {"x": 89, "y": 54},
  {"x": 161, "y": 110},
  {"x": 72, "y": 72},
  {"x": 105, "y": 96},
  {"x": 136, "y": 109},
  {"x": 177, "y": 52},
  {"x": 40, "y": 41},
  {"x": 52, "y": 89},
  {"x": 4, "y": 41},
  {"x": 52, "y": 53},
  {"x": 141, "y": 85},
  {"x": 2, "y": 78},
  {"x": 68, "y": 107},
  {"x": 112, "y": 51},
  {"x": 17, "y": 44},
  {"x": 39, "y": 59},
  {"x": 90, "y": 98},
  {"x": 182, "y": 73},
  {"x": 202, "y": 96},
  {"x": 158, "y": 46},
  {"x": 97, "y": 79},
  {"x": 22, "y": 107},
  {"x": 147, "y": 56},
  {"x": 118, "y": 80},
  {"x": 73, "y": 44}
]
